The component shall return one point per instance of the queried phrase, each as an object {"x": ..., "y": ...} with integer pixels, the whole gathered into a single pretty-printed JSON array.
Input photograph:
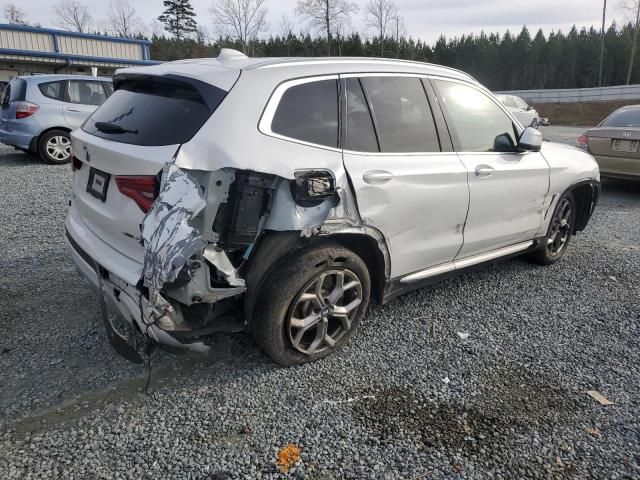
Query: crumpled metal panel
[{"x": 167, "y": 236}]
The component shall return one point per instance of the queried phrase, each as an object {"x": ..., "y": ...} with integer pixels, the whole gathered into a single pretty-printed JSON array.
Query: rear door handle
[
  {"x": 73, "y": 110},
  {"x": 377, "y": 176},
  {"x": 484, "y": 171}
]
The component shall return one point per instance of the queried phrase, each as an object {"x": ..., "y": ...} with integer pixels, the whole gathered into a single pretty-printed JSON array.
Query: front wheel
[
  {"x": 560, "y": 231},
  {"x": 55, "y": 147},
  {"x": 311, "y": 304}
]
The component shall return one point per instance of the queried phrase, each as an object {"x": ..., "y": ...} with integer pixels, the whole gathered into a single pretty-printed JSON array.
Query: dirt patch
[
  {"x": 509, "y": 406},
  {"x": 586, "y": 114}
]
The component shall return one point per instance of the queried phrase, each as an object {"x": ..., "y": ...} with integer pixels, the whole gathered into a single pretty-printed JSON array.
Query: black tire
[
  {"x": 535, "y": 123},
  {"x": 281, "y": 298},
  {"x": 550, "y": 251},
  {"x": 46, "y": 151}
]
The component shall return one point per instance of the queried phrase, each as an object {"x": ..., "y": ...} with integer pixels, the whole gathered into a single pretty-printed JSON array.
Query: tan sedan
[{"x": 615, "y": 143}]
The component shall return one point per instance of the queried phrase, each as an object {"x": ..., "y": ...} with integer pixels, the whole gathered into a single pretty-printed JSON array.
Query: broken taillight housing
[
  {"x": 142, "y": 189},
  {"x": 26, "y": 109},
  {"x": 76, "y": 163}
]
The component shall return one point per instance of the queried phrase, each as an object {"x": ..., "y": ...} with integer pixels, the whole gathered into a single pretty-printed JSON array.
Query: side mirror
[
  {"x": 529, "y": 107},
  {"x": 530, "y": 140}
]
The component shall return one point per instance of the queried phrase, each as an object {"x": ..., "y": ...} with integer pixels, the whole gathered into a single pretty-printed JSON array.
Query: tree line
[
  {"x": 500, "y": 62},
  {"x": 506, "y": 61}
]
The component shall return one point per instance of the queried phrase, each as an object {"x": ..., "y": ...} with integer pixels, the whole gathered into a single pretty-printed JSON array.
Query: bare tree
[
  {"x": 241, "y": 20},
  {"x": 327, "y": 16},
  {"x": 72, "y": 15},
  {"x": 286, "y": 30},
  {"x": 286, "y": 26},
  {"x": 380, "y": 16},
  {"x": 14, "y": 15},
  {"x": 633, "y": 6},
  {"x": 123, "y": 20}
]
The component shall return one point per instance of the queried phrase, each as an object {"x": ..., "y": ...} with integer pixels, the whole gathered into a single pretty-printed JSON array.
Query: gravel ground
[{"x": 407, "y": 398}]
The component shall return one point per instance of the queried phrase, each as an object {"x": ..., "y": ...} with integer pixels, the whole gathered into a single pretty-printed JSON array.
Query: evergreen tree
[{"x": 178, "y": 18}]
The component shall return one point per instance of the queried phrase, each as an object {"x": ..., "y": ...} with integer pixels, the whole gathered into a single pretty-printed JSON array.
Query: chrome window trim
[{"x": 266, "y": 120}]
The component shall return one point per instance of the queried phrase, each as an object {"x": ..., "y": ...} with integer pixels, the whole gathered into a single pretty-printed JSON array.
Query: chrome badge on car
[
  {"x": 626, "y": 134},
  {"x": 87, "y": 157}
]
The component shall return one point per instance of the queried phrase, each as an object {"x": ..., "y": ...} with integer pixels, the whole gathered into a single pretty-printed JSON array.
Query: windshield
[{"x": 627, "y": 117}]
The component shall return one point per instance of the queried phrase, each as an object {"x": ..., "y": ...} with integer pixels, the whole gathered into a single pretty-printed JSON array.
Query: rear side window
[
  {"x": 309, "y": 112},
  {"x": 86, "y": 92},
  {"x": 154, "y": 111},
  {"x": 16, "y": 91},
  {"x": 51, "y": 90},
  {"x": 629, "y": 117},
  {"x": 360, "y": 135},
  {"x": 477, "y": 121},
  {"x": 403, "y": 117}
]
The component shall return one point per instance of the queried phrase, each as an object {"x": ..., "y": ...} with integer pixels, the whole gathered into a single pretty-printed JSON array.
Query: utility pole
[
  {"x": 604, "y": 13},
  {"x": 633, "y": 47}
]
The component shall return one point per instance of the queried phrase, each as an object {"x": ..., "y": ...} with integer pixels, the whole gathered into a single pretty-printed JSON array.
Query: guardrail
[{"x": 566, "y": 95}]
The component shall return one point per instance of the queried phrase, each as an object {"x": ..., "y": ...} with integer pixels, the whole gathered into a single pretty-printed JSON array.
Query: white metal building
[{"x": 26, "y": 50}]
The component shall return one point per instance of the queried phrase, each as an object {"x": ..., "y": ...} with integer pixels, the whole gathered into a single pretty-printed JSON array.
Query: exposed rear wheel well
[
  {"x": 586, "y": 196},
  {"x": 367, "y": 249}
]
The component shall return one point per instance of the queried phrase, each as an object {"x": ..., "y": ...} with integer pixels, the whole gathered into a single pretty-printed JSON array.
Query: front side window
[
  {"x": 479, "y": 124},
  {"x": 403, "y": 117},
  {"x": 86, "y": 92},
  {"x": 309, "y": 112},
  {"x": 51, "y": 90}
]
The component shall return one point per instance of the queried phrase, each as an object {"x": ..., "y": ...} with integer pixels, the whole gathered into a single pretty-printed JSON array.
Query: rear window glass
[
  {"x": 309, "y": 112},
  {"x": 51, "y": 89},
  {"x": 629, "y": 117},
  {"x": 153, "y": 112},
  {"x": 16, "y": 91}
]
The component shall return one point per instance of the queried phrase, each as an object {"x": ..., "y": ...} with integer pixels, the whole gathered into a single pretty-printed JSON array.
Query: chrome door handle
[
  {"x": 73, "y": 110},
  {"x": 484, "y": 170},
  {"x": 377, "y": 176}
]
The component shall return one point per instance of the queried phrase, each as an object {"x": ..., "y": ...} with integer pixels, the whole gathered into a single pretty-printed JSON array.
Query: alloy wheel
[
  {"x": 58, "y": 148},
  {"x": 560, "y": 230},
  {"x": 324, "y": 310}
]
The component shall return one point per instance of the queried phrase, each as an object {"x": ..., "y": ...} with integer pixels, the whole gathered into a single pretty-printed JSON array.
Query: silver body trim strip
[{"x": 466, "y": 262}]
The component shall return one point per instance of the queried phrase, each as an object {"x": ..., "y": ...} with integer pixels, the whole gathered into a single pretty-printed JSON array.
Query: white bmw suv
[{"x": 281, "y": 195}]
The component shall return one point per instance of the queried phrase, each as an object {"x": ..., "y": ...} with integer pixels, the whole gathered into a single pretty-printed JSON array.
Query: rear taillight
[
  {"x": 142, "y": 189},
  {"x": 76, "y": 163},
  {"x": 26, "y": 109},
  {"x": 583, "y": 142}
]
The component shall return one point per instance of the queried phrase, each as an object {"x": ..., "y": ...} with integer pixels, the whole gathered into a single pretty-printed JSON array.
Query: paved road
[
  {"x": 555, "y": 133},
  {"x": 407, "y": 398}
]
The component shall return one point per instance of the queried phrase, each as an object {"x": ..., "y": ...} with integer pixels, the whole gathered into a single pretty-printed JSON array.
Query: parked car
[
  {"x": 614, "y": 143},
  {"x": 544, "y": 122},
  {"x": 293, "y": 191},
  {"x": 520, "y": 109},
  {"x": 39, "y": 112}
]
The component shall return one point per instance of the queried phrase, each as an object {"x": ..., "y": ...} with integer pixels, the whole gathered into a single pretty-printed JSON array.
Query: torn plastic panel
[
  {"x": 204, "y": 225},
  {"x": 167, "y": 236}
]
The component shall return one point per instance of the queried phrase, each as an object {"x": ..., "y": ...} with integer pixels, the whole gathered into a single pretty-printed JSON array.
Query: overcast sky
[{"x": 425, "y": 19}]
